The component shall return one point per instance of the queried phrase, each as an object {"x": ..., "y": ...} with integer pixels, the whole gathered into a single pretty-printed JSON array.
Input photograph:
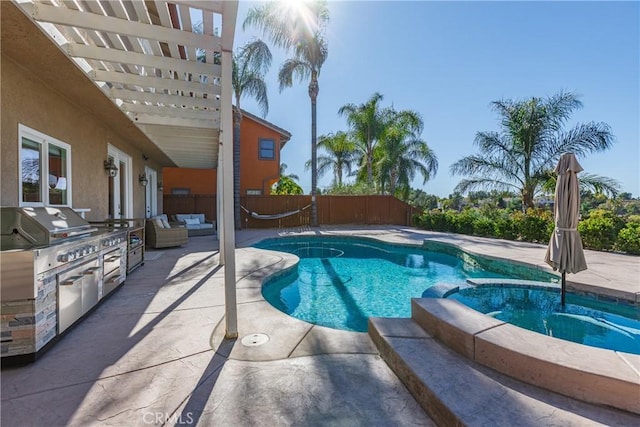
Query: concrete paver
[{"x": 154, "y": 354}]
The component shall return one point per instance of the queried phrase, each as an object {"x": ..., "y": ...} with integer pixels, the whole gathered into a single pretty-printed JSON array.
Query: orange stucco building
[{"x": 260, "y": 145}]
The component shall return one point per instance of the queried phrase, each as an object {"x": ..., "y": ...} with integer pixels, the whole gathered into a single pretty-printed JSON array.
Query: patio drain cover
[{"x": 254, "y": 340}]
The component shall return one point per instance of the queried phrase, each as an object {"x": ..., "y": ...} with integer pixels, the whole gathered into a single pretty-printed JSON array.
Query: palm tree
[
  {"x": 283, "y": 169},
  {"x": 367, "y": 122},
  {"x": 287, "y": 184},
  {"x": 298, "y": 27},
  {"x": 339, "y": 157},
  {"x": 402, "y": 153},
  {"x": 523, "y": 155},
  {"x": 250, "y": 64}
]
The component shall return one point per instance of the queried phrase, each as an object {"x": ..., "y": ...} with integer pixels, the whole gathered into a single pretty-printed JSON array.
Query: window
[
  {"x": 45, "y": 169},
  {"x": 181, "y": 191},
  {"x": 267, "y": 149}
]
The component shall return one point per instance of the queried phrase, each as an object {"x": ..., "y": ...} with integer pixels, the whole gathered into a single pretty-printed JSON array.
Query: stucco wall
[
  {"x": 26, "y": 100},
  {"x": 198, "y": 181},
  {"x": 255, "y": 173}
]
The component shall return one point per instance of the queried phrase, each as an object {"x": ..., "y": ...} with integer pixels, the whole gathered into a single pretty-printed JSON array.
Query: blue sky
[{"x": 450, "y": 60}]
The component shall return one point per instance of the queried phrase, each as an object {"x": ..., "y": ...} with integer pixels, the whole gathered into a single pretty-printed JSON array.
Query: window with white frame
[{"x": 44, "y": 169}]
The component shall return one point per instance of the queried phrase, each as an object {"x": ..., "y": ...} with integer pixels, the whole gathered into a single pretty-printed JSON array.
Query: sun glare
[{"x": 299, "y": 13}]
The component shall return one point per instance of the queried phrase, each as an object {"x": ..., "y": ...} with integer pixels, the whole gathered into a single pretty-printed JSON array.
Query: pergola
[{"x": 167, "y": 65}]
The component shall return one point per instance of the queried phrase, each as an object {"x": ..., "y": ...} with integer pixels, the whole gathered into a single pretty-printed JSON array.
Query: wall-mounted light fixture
[
  {"x": 143, "y": 179},
  {"x": 111, "y": 167},
  {"x": 160, "y": 186}
]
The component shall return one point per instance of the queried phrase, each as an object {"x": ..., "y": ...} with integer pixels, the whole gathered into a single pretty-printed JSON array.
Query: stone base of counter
[
  {"x": 29, "y": 327},
  {"x": 26, "y": 326}
]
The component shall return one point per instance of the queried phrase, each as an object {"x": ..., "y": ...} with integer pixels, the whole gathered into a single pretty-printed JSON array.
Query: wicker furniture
[
  {"x": 196, "y": 224},
  {"x": 158, "y": 236}
]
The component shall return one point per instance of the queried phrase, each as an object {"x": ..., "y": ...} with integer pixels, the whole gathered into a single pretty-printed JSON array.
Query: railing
[{"x": 332, "y": 210}]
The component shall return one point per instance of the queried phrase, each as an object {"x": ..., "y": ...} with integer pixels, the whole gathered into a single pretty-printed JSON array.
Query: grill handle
[
  {"x": 70, "y": 281},
  {"x": 91, "y": 270},
  {"x": 114, "y": 279},
  {"x": 21, "y": 231}
]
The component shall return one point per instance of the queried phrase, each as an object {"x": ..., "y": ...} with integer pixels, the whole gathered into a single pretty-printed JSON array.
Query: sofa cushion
[
  {"x": 191, "y": 221},
  {"x": 199, "y": 217},
  {"x": 200, "y": 226},
  {"x": 163, "y": 219},
  {"x": 181, "y": 217},
  {"x": 158, "y": 222}
]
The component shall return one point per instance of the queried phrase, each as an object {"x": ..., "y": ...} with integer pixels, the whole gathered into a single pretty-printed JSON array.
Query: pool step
[
  {"x": 456, "y": 390},
  {"x": 591, "y": 374}
]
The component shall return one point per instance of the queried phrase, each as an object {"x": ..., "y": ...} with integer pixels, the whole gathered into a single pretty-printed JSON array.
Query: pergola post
[
  {"x": 228, "y": 241},
  {"x": 220, "y": 213}
]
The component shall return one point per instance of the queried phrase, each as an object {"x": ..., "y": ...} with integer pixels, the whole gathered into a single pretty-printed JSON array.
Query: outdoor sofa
[
  {"x": 160, "y": 234},
  {"x": 197, "y": 224}
]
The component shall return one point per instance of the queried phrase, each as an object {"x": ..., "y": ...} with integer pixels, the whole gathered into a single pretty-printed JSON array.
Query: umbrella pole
[{"x": 562, "y": 288}]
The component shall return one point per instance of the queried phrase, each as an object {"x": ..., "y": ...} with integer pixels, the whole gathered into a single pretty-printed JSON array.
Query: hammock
[{"x": 273, "y": 216}]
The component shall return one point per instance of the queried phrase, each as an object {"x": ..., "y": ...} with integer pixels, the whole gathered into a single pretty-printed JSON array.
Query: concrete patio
[{"x": 154, "y": 353}]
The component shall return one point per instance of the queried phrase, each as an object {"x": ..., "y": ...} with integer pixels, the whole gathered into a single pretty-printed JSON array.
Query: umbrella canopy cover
[{"x": 565, "y": 252}]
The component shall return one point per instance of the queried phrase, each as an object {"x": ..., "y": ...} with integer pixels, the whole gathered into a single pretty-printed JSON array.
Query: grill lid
[{"x": 26, "y": 227}]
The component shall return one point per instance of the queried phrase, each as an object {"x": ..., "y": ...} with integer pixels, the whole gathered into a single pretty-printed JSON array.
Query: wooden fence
[{"x": 332, "y": 210}]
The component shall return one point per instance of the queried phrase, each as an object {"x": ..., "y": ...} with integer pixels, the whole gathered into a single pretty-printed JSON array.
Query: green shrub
[
  {"x": 463, "y": 222},
  {"x": 629, "y": 237},
  {"x": 435, "y": 220},
  {"x": 600, "y": 230},
  {"x": 505, "y": 228},
  {"x": 534, "y": 226},
  {"x": 483, "y": 226}
]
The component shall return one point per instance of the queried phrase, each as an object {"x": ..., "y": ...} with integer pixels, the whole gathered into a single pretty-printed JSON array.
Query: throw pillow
[
  {"x": 165, "y": 223},
  {"x": 191, "y": 221},
  {"x": 158, "y": 223}
]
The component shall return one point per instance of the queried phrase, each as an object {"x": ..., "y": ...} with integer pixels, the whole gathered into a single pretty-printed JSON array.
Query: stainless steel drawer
[{"x": 112, "y": 262}]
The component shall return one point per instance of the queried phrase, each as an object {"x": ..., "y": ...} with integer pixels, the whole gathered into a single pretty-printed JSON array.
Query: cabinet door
[
  {"x": 90, "y": 286},
  {"x": 69, "y": 300}
]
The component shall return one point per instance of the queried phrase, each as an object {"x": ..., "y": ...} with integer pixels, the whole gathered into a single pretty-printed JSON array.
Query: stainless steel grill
[
  {"x": 33, "y": 227},
  {"x": 55, "y": 261}
]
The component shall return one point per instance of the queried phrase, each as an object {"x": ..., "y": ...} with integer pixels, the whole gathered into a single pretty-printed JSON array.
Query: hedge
[{"x": 601, "y": 230}]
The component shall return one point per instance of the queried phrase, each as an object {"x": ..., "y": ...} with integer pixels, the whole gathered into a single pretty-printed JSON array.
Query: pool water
[
  {"x": 582, "y": 320},
  {"x": 340, "y": 283}
]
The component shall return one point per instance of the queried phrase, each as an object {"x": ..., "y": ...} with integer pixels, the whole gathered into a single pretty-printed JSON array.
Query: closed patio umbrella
[{"x": 565, "y": 253}]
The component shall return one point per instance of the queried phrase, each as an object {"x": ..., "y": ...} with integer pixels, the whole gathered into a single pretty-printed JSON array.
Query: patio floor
[{"x": 154, "y": 354}]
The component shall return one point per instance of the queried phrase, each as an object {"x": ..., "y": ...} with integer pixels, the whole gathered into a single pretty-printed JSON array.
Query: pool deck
[{"x": 154, "y": 353}]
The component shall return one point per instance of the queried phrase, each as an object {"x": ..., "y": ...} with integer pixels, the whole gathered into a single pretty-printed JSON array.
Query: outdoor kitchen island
[{"x": 55, "y": 268}]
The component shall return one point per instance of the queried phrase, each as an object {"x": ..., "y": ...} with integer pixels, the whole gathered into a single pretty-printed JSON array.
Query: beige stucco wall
[{"x": 26, "y": 100}]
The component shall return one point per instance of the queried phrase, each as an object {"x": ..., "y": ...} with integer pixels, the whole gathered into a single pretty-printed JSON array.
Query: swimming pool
[
  {"x": 341, "y": 282},
  {"x": 583, "y": 320}
]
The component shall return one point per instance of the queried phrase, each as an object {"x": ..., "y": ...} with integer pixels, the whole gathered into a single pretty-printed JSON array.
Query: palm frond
[
  {"x": 292, "y": 69},
  {"x": 475, "y": 183},
  {"x": 599, "y": 184},
  {"x": 256, "y": 87}
]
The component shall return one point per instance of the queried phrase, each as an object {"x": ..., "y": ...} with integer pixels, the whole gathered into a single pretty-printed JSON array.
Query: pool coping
[
  {"x": 586, "y": 373},
  {"x": 600, "y": 293}
]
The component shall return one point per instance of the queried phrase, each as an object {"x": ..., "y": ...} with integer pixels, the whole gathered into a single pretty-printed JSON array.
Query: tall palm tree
[
  {"x": 367, "y": 122},
  {"x": 339, "y": 155},
  {"x": 250, "y": 64},
  {"x": 298, "y": 27},
  {"x": 403, "y": 153},
  {"x": 523, "y": 155}
]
